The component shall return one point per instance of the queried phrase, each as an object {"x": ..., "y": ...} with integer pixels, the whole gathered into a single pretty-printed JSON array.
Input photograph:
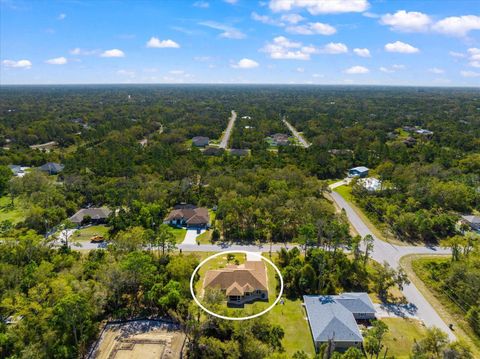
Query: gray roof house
[
  {"x": 334, "y": 318},
  {"x": 200, "y": 141},
  {"x": 52, "y": 168},
  {"x": 97, "y": 215},
  {"x": 16, "y": 169},
  {"x": 360, "y": 171}
]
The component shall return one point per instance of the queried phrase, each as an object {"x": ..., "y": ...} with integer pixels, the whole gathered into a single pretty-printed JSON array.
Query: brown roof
[
  {"x": 190, "y": 215},
  {"x": 236, "y": 280}
]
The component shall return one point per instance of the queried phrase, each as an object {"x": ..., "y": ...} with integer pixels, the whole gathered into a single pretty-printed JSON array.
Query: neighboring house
[
  {"x": 360, "y": 171},
  {"x": 239, "y": 152},
  {"x": 424, "y": 132},
  {"x": 213, "y": 151},
  {"x": 244, "y": 283},
  {"x": 96, "y": 215},
  {"x": 280, "y": 139},
  {"x": 200, "y": 141},
  {"x": 334, "y": 318},
  {"x": 472, "y": 221},
  {"x": 18, "y": 171},
  {"x": 52, "y": 168},
  {"x": 370, "y": 184},
  {"x": 189, "y": 216},
  {"x": 410, "y": 141}
]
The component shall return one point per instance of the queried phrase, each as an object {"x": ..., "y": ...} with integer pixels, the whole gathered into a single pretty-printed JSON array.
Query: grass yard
[
  {"x": 401, "y": 335},
  {"x": 179, "y": 234},
  {"x": 205, "y": 237},
  {"x": 292, "y": 318},
  {"x": 346, "y": 192},
  {"x": 13, "y": 213},
  {"x": 85, "y": 234}
]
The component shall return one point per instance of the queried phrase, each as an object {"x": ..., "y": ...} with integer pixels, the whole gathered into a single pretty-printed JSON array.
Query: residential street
[
  {"x": 296, "y": 134},
  {"x": 228, "y": 131},
  {"x": 386, "y": 252}
]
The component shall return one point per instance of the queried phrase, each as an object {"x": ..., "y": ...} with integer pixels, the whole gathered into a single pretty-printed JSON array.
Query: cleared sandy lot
[{"x": 143, "y": 339}]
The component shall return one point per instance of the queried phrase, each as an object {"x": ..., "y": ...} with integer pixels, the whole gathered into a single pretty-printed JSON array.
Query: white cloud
[
  {"x": 201, "y": 4},
  {"x": 282, "y": 48},
  {"x": 404, "y": 21},
  {"x": 228, "y": 32},
  {"x": 202, "y": 58},
  {"x": 57, "y": 61},
  {"x": 436, "y": 70},
  {"x": 456, "y": 54},
  {"x": 292, "y": 18},
  {"x": 128, "y": 73},
  {"x": 469, "y": 73},
  {"x": 474, "y": 53},
  {"x": 78, "y": 51},
  {"x": 24, "y": 64},
  {"x": 457, "y": 25},
  {"x": 401, "y": 47},
  {"x": 62, "y": 16},
  {"x": 113, "y": 53},
  {"x": 362, "y": 52},
  {"x": 176, "y": 72},
  {"x": 245, "y": 64},
  {"x": 316, "y": 7},
  {"x": 156, "y": 43},
  {"x": 474, "y": 64},
  {"x": 334, "y": 48},
  {"x": 357, "y": 70},
  {"x": 231, "y": 1},
  {"x": 266, "y": 19},
  {"x": 300, "y": 69},
  {"x": 312, "y": 28},
  {"x": 371, "y": 15},
  {"x": 392, "y": 68}
]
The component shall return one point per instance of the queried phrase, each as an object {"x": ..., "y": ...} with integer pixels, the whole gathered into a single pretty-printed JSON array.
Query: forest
[{"x": 57, "y": 298}]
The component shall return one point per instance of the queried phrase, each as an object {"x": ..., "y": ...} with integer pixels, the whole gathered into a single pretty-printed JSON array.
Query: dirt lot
[{"x": 143, "y": 339}]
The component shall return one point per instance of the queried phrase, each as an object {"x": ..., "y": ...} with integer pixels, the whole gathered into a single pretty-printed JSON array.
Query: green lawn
[
  {"x": 179, "y": 234},
  {"x": 401, "y": 335},
  {"x": 85, "y": 234},
  {"x": 13, "y": 213},
  {"x": 292, "y": 318},
  {"x": 205, "y": 237}
]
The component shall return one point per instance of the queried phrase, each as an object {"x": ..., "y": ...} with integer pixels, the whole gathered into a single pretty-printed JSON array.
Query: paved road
[
  {"x": 230, "y": 247},
  {"x": 299, "y": 137},
  {"x": 228, "y": 131},
  {"x": 386, "y": 252}
]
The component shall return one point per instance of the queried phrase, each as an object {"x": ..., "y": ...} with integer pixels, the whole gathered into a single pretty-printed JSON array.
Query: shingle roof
[
  {"x": 472, "y": 219},
  {"x": 52, "y": 167},
  {"x": 359, "y": 169},
  {"x": 245, "y": 277},
  {"x": 331, "y": 317},
  {"x": 94, "y": 213},
  {"x": 356, "y": 302},
  {"x": 190, "y": 215}
]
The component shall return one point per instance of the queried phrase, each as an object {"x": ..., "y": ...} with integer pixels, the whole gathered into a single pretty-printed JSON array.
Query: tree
[
  {"x": 5, "y": 175},
  {"x": 431, "y": 346},
  {"x": 164, "y": 239},
  {"x": 386, "y": 277},
  {"x": 353, "y": 353},
  {"x": 368, "y": 243},
  {"x": 374, "y": 338}
]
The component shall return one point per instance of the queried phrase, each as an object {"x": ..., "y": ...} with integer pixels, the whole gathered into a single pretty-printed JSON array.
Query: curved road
[
  {"x": 386, "y": 252},
  {"x": 228, "y": 131}
]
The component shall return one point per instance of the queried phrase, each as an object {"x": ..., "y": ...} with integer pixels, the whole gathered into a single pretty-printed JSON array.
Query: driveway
[
  {"x": 386, "y": 252},
  {"x": 191, "y": 237}
]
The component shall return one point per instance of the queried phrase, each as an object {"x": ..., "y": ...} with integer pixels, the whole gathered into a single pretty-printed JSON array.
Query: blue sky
[{"x": 433, "y": 43}]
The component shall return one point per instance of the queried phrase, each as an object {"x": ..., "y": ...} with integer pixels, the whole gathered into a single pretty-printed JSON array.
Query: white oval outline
[{"x": 236, "y": 318}]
